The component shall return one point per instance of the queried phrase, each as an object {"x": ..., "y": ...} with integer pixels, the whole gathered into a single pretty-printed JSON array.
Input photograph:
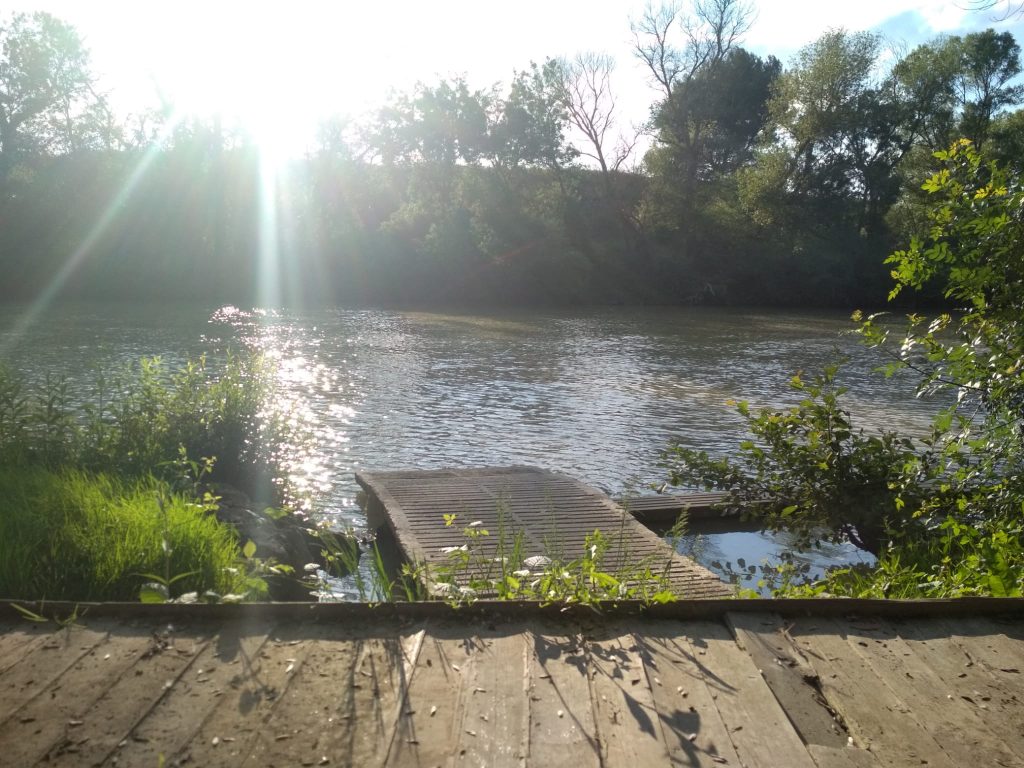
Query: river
[{"x": 595, "y": 393}]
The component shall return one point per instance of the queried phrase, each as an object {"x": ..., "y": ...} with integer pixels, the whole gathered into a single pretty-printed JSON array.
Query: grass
[
  {"x": 72, "y": 535},
  {"x": 137, "y": 422}
]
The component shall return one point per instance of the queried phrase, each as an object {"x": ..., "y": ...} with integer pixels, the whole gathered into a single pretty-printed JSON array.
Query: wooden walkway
[
  {"x": 697, "y": 684},
  {"x": 554, "y": 514}
]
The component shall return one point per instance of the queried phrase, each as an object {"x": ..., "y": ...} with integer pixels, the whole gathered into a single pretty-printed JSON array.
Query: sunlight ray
[{"x": 75, "y": 259}]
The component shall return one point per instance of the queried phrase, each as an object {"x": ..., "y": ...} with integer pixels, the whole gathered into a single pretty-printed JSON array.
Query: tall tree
[
  {"x": 47, "y": 100},
  {"x": 988, "y": 64},
  {"x": 530, "y": 124},
  {"x": 585, "y": 92},
  {"x": 679, "y": 49}
]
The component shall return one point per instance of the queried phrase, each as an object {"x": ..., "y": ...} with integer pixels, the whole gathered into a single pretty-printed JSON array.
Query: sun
[{"x": 251, "y": 72}]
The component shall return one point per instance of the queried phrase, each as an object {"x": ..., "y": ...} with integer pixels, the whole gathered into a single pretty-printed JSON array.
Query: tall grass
[
  {"x": 73, "y": 535},
  {"x": 135, "y": 422}
]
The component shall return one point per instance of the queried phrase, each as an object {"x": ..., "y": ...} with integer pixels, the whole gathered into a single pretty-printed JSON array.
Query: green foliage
[
  {"x": 497, "y": 567},
  {"x": 809, "y": 471},
  {"x": 945, "y": 513},
  {"x": 151, "y": 420},
  {"x": 956, "y": 559},
  {"x": 71, "y": 535}
]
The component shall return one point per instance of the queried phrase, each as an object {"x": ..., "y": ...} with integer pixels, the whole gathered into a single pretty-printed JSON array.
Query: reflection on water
[{"x": 597, "y": 394}]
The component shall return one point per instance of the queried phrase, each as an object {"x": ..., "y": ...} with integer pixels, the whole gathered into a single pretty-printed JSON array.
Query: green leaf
[
  {"x": 249, "y": 550},
  {"x": 154, "y": 592}
]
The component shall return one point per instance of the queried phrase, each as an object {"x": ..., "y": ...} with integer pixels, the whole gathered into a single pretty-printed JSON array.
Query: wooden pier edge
[
  {"x": 537, "y": 504},
  {"x": 682, "y": 610}
]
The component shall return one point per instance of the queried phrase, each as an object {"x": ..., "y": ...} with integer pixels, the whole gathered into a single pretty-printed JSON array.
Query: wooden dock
[
  {"x": 552, "y": 512},
  {"x": 769, "y": 684}
]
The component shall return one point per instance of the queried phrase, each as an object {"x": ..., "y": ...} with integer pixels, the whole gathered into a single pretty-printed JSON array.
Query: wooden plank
[
  {"x": 18, "y": 640},
  {"x": 757, "y": 725},
  {"x": 1000, "y": 701},
  {"x": 553, "y": 514},
  {"x": 99, "y": 728},
  {"x": 46, "y": 662},
  {"x": 434, "y": 703},
  {"x": 985, "y": 640},
  {"x": 294, "y": 731},
  {"x": 496, "y": 719},
  {"x": 628, "y": 727},
  {"x": 691, "y": 723},
  {"x": 877, "y": 718},
  {"x": 46, "y": 723},
  {"x": 962, "y": 734},
  {"x": 366, "y": 705},
  {"x": 562, "y": 728},
  {"x": 227, "y": 664},
  {"x": 792, "y": 681},
  {"x": 842, "y": 757},
  {"x": 230, "y": 731}
]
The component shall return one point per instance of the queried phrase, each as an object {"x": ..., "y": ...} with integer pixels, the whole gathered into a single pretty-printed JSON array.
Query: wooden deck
[
  {"x": 703, "y": 683},
  {"x": 554, "y": 513}
]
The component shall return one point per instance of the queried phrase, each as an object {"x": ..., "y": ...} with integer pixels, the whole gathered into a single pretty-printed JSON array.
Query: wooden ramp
[
  {"x": 706, "y": 683},
  {"x": 554, "y": 514}
]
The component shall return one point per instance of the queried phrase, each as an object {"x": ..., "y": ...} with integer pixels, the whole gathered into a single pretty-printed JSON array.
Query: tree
[
  {"x": 988, "y": 63},
  {"x": 708, "y": 34},
  {"x": 838, "y": 132},
  {"x": 441, "y": 124},
  {"x": 585, "y": 93},
  {"x": 48, "y": 103},
  {"x": 529, "y": 129}
]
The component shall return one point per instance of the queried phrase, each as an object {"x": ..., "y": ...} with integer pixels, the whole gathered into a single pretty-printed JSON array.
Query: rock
[{"x": 287, "y": 539}]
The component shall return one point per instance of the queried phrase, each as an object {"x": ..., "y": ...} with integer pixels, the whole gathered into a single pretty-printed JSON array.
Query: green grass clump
[{"x": 72, "y": 535}]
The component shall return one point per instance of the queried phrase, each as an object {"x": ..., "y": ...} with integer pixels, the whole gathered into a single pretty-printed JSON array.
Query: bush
[
  {"x": 140, "y": 422},
  {"x": 944, "y": 513},
  {"x": 71, "y": 535}
]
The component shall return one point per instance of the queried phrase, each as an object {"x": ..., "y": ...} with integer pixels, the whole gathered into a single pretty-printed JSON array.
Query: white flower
[
  {"x": 449, "y": 550},
  {"x": 311, "y": 567},
  {"x": 521, "y": 574},
  {"x": 476, "y": 523},
  {"x": 441, "y": 589},
  {"x": 537, "y": 561}
]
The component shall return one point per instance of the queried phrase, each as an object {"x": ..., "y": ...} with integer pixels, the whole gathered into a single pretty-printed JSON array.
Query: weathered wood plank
[
  {"x": 47, "y": 723},
  {"x": 293, "y": 731},
  {"x": 963, "y": 735},
  {"x": 230, "y": 731},
  {"x": 985, "y": 641},
  {"x": 229, "y": 663},
  {"x": 691, "y": 723},
  {"x": 496, "y": 718},
  {"x": 562, "y": 728},
  {"x": 791, "y": 679},
  {"x": 369, "y": 702},
  {"x": 876, "y": 717},
  {"x": 758, "y": 727},
  {"x": 628, "y": 727},
  {"x": 434, "y": 703},
  {"x": 46, "y": 662},
  {"x": 101, "y": 726},
  {"x": 842, "y": 757},
  {"x": 1001, "y": 703},
  {"x": 18, "y": 640}
]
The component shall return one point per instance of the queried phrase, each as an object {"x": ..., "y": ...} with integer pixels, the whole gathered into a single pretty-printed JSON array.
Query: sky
[{"x": 280, "y": 67}]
